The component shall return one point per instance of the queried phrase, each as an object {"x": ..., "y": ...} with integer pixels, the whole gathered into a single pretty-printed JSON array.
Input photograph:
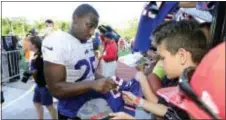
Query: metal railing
[{"x": 11, "y": 65}]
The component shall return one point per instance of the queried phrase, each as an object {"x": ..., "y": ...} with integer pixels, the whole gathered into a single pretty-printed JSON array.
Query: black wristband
[{"x": 171, "y": 114}]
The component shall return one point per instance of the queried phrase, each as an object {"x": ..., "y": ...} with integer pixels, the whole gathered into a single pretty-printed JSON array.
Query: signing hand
[
  {"x": 129, "y": 98},
  {"x": 104, "y": 85}
]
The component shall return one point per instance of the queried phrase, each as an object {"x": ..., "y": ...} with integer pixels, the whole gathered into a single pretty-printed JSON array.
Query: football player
[{"x": 69, "y": 67}]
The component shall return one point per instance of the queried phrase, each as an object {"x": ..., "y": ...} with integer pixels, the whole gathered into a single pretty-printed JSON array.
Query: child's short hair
[{"x": 182, "y": 34}]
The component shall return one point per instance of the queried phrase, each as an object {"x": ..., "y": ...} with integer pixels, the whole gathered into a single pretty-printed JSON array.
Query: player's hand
[
  {"x": 104, "y": 85},
  {"x": 121, "y": 116},
  {"x": 129, "y": 98},
  {"x": 140, "y": 76}
]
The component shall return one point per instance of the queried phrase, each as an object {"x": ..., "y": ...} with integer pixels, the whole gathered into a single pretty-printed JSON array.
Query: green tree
[
  {"x": 64, "y": 26},
  {"x": 5, "y": 26},
  {"x": 18, "y": 26},
  {"x": 130, "y": 31},
  {"x": 39, "y": 25}
]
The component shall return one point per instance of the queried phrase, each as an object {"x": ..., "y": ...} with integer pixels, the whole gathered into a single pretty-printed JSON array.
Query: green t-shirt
[{"x": 158, "y": 70}]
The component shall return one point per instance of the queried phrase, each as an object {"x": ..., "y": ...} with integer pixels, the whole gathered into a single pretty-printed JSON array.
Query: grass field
[{"x": 124, "y": 52}]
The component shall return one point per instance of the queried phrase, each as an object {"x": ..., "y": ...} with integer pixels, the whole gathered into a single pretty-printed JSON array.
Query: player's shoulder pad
[
  {"x": 57, "y": 38},
  {"x": 57, "y": 35}
]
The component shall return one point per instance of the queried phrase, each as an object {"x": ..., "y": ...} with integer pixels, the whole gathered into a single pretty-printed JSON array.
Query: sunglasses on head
[{"x": 187, "y": 89}]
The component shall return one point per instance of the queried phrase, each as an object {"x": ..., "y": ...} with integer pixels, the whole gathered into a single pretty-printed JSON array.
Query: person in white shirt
[{"x": 49, "y": 28}]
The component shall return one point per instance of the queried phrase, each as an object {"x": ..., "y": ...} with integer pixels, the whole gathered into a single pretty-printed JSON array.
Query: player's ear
[{"x": 182, "y": 53}]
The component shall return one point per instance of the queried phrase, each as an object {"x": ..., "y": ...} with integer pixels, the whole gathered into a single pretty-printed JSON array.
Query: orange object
[{"x": 26, "y": 49}]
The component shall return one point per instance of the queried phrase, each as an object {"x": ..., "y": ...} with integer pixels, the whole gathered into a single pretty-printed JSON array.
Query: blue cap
[
  {"x": 33, "y": 31},
  {"x": 109, "y": 35}
]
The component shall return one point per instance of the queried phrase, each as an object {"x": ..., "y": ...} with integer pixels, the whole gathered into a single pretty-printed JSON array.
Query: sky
[{"x": 116, "y": 14}]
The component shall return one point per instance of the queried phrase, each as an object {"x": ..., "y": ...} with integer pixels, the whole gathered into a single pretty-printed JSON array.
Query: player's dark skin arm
[
  {"x": 55, "y": 76},
  {"x": 98, "y": 76},
  {"x": 187, "y": 4}
]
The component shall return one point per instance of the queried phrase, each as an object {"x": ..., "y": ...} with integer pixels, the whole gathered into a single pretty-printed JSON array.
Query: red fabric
[
  {"x": 121, "y": 42},
  {"x": 209, "y": 78},
  {"x": 111, "y": 51},
  {"x": 173, "y": 95}
]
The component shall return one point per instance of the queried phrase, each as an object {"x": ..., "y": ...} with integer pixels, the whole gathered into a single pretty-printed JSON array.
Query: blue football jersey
[
  {"x": 84, "y": 106},
  {"x": 92, "y": 103},
  {"x": 150, "y": 18},
  {"x": 114, "y": 97}
]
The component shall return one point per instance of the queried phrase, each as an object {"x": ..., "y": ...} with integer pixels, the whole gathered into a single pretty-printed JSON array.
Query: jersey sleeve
[{"x": 53, "y": 50}]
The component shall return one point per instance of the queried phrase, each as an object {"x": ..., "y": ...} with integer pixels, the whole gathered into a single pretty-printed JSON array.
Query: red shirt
[
  {"x": 121, "y": 42},
  {"x": 110, "y": 52}
]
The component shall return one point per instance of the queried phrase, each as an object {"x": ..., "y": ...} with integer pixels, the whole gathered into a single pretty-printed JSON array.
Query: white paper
[{"x": 131, "y": 59}]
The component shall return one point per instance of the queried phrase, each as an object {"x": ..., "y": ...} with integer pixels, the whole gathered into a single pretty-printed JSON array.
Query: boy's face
[{"x": 171, "y": 63}]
